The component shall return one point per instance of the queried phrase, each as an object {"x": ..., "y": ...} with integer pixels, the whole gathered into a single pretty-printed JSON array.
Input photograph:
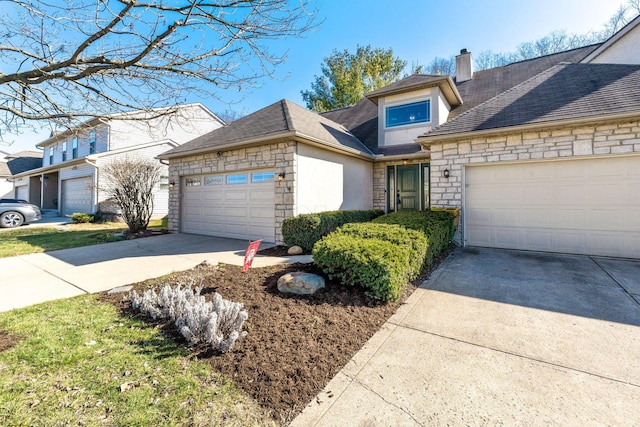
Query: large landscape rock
[
  {"x": 300, "y": 283},
  {"x": 295, "y": 250}
]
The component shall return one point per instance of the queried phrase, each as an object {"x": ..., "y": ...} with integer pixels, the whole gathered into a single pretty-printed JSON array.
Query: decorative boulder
[
  {"x": 295, "y": 250},
  {"x": 300, "y": 283}
]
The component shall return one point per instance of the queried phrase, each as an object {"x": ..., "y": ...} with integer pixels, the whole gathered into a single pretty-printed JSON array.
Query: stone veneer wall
[
  {"x": 278, "y": 156},
  {"x": 380, "y": 180},
  {"x": 569, "y": 142}
]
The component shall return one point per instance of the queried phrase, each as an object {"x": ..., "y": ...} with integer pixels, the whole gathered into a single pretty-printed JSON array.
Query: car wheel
[{"x": 11, "y": 219}]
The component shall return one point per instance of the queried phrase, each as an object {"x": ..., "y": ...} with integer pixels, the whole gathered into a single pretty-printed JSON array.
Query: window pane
[
  {"x": 417, "y": 112},
  {"x": 237, "y": 179},
  {"x": 262, "y": 176},
  {"x": 213, "y": 180},
  {"x": 192, "y": 182}
]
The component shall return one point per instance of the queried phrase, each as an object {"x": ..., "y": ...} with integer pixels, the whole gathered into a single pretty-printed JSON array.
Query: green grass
[
  {"x": 28, "y": 240},
  {"x": 80, "y": 362}
]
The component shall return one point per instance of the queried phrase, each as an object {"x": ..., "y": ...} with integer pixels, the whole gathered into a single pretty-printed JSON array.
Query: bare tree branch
[{"x": 67, "y": 60}]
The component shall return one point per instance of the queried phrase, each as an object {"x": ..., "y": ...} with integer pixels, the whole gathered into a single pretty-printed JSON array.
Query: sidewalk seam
[{"x": 520, "y": 356}]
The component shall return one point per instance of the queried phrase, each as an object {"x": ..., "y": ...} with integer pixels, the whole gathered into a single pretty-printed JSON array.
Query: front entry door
[{"x": 408, "y": 194}]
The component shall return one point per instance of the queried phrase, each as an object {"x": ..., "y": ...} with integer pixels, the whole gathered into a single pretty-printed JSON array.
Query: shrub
[
  {"x": 82, "y": 218},
  {"x": 436, "y": 225},
  {"x": 395, "y": 234},
  {"x": 218, "y": 323},
  {"x": 306, "y": 229},
  {"x": 381, "y": 258}
]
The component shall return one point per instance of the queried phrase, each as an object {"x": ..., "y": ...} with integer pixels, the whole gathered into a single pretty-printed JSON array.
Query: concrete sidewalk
[
  {"x": 35, "y": 278},
  {"x": 499, "y": 337}
]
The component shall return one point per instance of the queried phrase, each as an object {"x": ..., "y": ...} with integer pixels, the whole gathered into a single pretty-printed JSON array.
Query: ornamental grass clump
[{"x": 217, "y": 323}]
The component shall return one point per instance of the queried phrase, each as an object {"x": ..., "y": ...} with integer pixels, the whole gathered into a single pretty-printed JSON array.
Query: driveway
[
  {"x": 35, "y": 278},
  {"x": 500, "y": 337}
]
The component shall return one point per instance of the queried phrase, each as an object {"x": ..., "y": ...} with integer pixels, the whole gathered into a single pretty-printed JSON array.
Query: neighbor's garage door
[
  {"x": 579, "y": 206},
  {"x": 76, "y": 195},
  {"x": 22, "y": 192},
  {"x": 237, "y": 205}
]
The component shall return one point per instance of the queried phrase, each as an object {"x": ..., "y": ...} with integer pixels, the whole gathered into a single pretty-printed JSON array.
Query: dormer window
[{"x": 408, "y": 114}]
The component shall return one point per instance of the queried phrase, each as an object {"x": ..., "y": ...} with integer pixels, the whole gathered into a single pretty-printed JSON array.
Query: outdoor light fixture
[
  {"x": 281, "y": 176},
  {"x": 446, "y": 173},
  {"x": 172, "y": 184},
  {"x": 405, "y": 161},
  {"x": 219, "y": 153}
]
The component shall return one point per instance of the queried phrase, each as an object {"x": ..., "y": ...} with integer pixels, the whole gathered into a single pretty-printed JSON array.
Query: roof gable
[
  {"x": 282, "y": 119},
  {"x": 563, "y": 92},
  {"x": 417, "y": 82}
]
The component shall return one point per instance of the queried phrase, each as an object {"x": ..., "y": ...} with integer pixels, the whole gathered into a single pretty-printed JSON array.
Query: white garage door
[
  {"x": 579, "y": 206},
  {"x": 76, "y": 195},
  {"x": 22, "y": 192},
  {"x": 239, "y": 205}
]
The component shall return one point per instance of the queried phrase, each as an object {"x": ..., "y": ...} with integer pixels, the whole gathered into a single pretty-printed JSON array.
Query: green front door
[{"x": 408, "y": 193}]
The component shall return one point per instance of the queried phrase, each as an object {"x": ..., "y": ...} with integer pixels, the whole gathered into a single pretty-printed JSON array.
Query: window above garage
[{"x": 408, "y": 114}]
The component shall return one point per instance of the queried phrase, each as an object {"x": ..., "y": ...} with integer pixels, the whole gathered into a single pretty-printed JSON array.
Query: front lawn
[
  {"x": 29, "y": 240},
  {"x": 81, "y": 362}
]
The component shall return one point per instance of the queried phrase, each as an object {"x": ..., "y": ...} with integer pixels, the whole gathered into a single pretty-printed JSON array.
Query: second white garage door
[
  {"x": 238, "y": 205},
  {"x": 76, "y": 196},
  {"x": 587, "y": 206}
]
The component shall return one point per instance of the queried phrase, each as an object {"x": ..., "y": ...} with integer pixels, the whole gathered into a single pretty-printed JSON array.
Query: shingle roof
[
  {"x": 488, "y": 83},
  {"x": 281, "y": 119},
  {"x": 416, "y": 82},
  {"x": 21, "y": 162},
  {"x": 362, "y": 118},
  {"x": 563, "y": 92}
]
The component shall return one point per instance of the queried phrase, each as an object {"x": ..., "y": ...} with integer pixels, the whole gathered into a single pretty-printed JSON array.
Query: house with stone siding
[{"x": 542, "y": 154}]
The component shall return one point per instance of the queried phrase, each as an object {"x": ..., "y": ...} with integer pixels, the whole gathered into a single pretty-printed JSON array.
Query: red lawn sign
[{"x": 250, "y": 254}]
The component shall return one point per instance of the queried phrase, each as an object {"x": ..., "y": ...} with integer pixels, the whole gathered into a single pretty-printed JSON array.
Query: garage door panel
[
  {"x": 588, "y": 206},
  {"x": 76, "y": 195},
  {"x": 240, "y": 210}
]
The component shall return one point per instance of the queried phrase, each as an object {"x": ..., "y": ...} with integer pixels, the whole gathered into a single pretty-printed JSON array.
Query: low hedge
[
  {"x": 438, "y": 227},
  {"x": 382, "y": 258},
  {"x": 306, "y": 229}
]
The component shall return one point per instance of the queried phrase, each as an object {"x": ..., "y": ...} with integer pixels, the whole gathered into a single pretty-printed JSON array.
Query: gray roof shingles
[
  {"x": 276, "y": 120},
  {"x": 21, "y": 162},
  {"x": 563, "y": 92}
]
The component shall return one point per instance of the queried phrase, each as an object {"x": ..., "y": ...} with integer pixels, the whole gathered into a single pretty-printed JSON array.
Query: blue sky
[{"x": 416, "y": 30}]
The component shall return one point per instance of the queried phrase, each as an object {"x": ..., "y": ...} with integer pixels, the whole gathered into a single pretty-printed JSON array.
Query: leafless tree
[
  {"x": 64, "y": 61},
  {"x": 129, "y": 183}
]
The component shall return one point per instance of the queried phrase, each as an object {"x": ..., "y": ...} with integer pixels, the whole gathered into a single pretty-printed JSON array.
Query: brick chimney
[{"x": 464, "y": 66}]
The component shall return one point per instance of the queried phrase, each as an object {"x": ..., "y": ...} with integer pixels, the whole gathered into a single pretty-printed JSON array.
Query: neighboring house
[
  {"x": 12, "y": 164},
  {"x": 68, "y": 178},
  {"x": 541, "y": 154}
]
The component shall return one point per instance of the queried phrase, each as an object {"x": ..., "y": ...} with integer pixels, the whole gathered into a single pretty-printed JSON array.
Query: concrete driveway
[
  {"x": 500, "y": 337},
  {"x": 35, "y": 278}
]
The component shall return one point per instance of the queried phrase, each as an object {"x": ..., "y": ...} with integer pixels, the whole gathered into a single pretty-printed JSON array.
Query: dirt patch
[
  {"x": 7, "y": 340},
  {"x": 295, "y": 344}
]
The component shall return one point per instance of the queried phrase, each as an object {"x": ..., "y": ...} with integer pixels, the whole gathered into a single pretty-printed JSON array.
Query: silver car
[{"x": 15, "y": 212}]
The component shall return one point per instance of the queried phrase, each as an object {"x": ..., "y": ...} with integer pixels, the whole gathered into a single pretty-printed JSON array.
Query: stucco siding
[
  {"x": 599, "y": 140},
  {"x": 328, "y": 181},
  {"x": 623, "y": 51}
]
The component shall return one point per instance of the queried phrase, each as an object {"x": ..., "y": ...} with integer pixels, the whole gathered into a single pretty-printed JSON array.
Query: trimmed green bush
[
  {"x": 377, "y": 265},
  {"x": 381, "y": 258},
  {"x": 306, "y": 229},
  {"x": 396, "y": 234},
  {"x": 438, "y": 227},
  {"x": 80, "y": 218}
]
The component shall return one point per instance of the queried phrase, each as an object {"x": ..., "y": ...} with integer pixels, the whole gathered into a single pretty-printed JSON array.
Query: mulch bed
[{"x": 295, "y": 344}]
